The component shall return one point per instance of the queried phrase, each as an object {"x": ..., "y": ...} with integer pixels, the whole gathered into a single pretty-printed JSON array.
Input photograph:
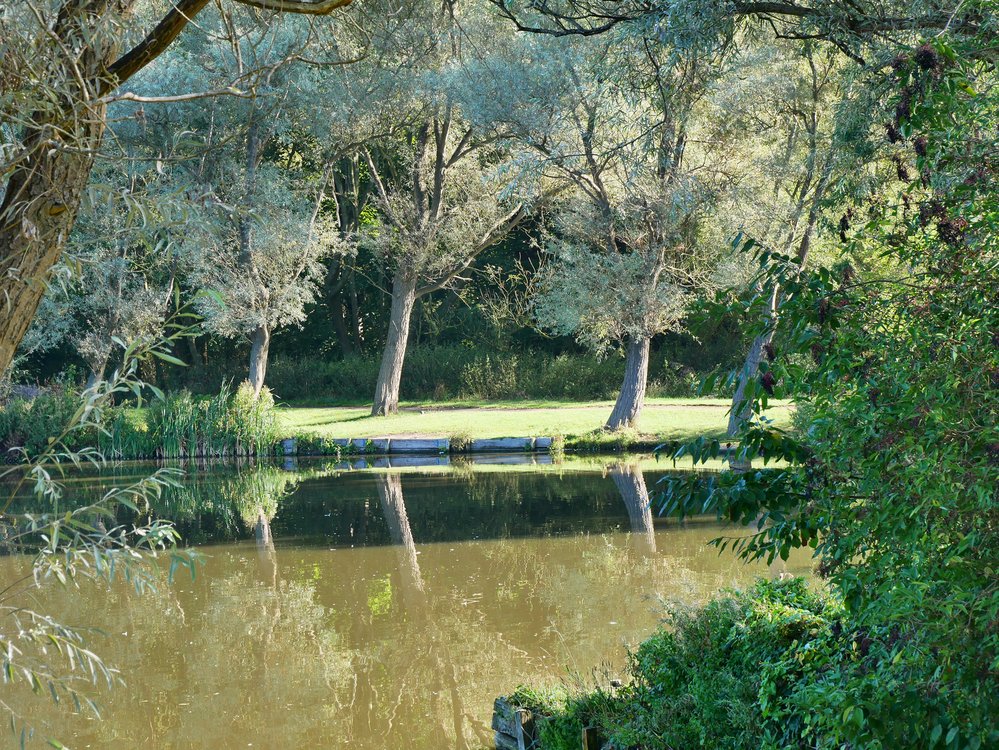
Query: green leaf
[{"x": 168, "y": 358}]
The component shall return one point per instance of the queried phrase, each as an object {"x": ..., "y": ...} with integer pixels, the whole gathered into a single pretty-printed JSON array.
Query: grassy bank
[
  {"x": 233, "y": 424},
  {"x": 663, "y": 420}
]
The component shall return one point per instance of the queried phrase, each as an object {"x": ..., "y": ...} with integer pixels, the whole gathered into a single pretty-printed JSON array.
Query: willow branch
[{"x": 179, "y": 16}]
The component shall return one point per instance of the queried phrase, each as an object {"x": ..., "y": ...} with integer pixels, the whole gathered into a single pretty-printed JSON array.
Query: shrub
[
  {"x": 460, "y": 442},
  {"x": 449, "y": 372},
  {"x": 29, "y": 423},
  {"x": 180, "y": 425},
  {"x": 698, "y": 681},
  {"x": 317, "y": 444}
]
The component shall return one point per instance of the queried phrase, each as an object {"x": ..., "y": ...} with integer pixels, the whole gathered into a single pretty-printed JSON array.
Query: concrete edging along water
[
  {"x": 401, "y": 461},
  {"x": 429, "y": 446}
]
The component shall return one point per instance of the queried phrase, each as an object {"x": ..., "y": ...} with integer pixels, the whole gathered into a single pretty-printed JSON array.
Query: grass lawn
[{"x": 662, "y": 420}]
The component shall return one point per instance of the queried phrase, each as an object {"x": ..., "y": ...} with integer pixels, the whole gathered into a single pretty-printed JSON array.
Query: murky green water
[{"x": 383, "y": 609}]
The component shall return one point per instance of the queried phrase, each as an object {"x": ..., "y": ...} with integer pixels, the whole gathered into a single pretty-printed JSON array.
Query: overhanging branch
[
  {"x": 593, "y": 17},
  {"x": 179, "y": 16}
]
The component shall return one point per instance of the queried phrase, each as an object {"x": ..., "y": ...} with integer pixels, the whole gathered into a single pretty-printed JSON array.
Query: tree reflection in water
[
  {"x": 328, "y": 626},
  {"x": 630, "y": 482}
]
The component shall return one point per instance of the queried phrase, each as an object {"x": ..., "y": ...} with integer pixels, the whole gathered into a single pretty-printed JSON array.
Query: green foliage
[
  {"x": 708, "y": 678},
  {"x": 319, "y": 444},
  {"x": 180, "y": 425},
  {"x": 894, "y": 352},
  {"x": 233, "y": 423},
  {"x": 777, "y": 666},
  {"x": 455, "y": 372},
  {"x": 460, "y": 442},
  {"x": 30, "y": 423},
  {"x": 563, "y": 713}
]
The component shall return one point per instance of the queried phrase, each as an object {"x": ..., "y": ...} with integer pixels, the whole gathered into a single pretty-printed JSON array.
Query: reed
[{"x": 230, "y": 424}]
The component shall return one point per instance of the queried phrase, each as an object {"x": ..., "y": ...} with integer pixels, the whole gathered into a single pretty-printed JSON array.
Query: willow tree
[
  {"x": 619, "y": 125},
  {"x": 264, "y": 270},
  {"x": 793, "y": 158},
  {"x": 62, "y": 62},
  {"x": 264, "y": 182},
  {"x": 440, "y": 185},
  {"x": 252, "y": 170}
]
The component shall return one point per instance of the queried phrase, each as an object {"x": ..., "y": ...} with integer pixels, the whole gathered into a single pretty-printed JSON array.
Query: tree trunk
[
  {"x": 390, "y": 373},
  {"x": 97, "y": 372},
  {"x": 42, "y": 194},
  {"x": 196, "y": 366},
  {"x": 340, "y": 326},
  {"x": 742, "y": 409},
  {"x": 260, "y": 343},
  {"x": 630, "y": 483},
  {"x": 629, "y": 404},
  {"x": 355, "y": 315}
]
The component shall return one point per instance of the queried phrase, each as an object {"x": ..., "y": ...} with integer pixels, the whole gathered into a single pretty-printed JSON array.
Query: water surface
[{"x": 384, "y": 608}]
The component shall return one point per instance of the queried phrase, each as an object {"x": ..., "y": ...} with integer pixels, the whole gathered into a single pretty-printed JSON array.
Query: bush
[
  {"x": 460, "y": 442},
  {"x": 317, "y": 444},
  {"x": 777, "y": 666},
  {"x": 452, "y": 372},
  {"x": 698, "y": 681},
  {"x": 29, "y": 423},
  {"x": 232, "y": 423}
]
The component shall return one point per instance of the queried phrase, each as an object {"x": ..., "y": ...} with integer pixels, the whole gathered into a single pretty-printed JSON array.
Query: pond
[{"x": 384, "y": 608}]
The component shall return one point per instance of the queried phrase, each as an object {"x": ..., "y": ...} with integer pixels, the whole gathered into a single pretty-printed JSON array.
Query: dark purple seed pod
[
  {"x": 768, "y": 381},
  {"x": 952, "y": 231},
  {"x": 903, "y": 110},
  {"x": 926, "y": 57}
]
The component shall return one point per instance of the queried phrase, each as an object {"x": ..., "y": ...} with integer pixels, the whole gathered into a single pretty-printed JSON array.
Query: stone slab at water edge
[{"x": 429, "y": 446}]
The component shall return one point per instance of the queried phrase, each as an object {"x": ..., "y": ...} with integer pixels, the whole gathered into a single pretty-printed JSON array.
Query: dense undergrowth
[
  {"x": 456, "y": 372},
  {"x": 778, "y": 666},
  {"x": 229, "y": 424}
]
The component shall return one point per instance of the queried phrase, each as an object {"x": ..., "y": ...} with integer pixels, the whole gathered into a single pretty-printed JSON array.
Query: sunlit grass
[{"x": 663, "y": 419}]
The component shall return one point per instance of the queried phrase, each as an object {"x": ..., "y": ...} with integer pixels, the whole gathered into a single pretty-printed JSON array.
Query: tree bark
[
  {"x": 42, "y": 194},
  {"x": 260, "y": 343},
  {"x": 390, "y": 374},
  {"x": 97, "y": 371},
  {"x": 340, "y": 327},
  {"x": 196, "y": 370},
  {"x": 630, "y": 400},
  {"x": 742, "y": 409},
  {"x": 630, "y": 483}
]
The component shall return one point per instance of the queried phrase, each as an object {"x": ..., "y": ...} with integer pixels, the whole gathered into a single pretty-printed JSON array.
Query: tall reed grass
[{"x": 230, "y": 424}]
